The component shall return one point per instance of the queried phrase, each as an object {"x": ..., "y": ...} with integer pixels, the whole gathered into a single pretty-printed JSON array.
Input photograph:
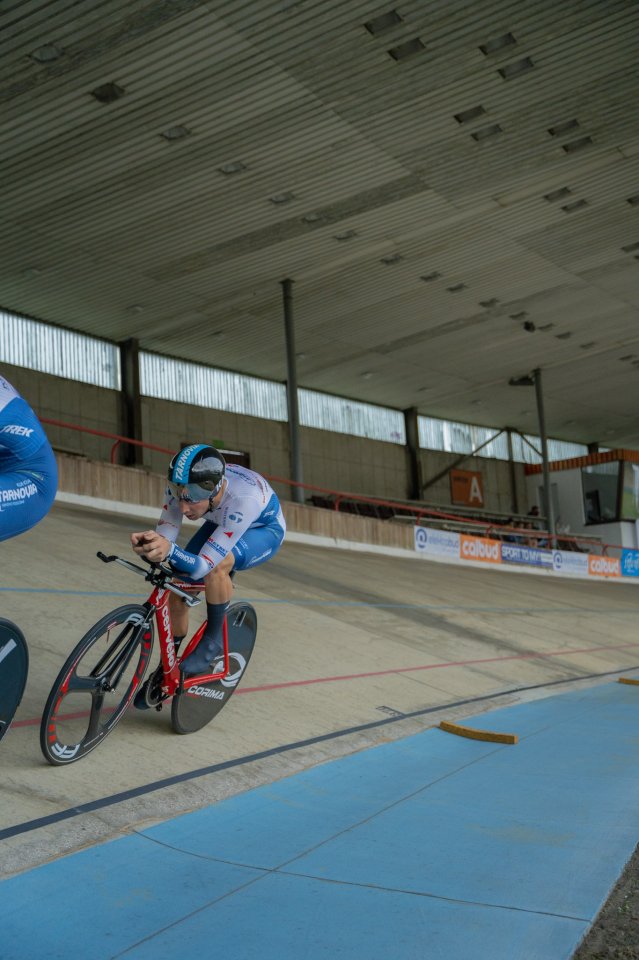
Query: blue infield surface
[{"x": 434, "y": 847}]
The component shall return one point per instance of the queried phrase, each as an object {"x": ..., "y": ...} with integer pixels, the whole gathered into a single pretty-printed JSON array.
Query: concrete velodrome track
[{"x": 353, "y": 651}]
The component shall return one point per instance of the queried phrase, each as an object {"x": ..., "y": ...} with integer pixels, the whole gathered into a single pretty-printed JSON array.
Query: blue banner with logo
[
  {"x": 531, "y": 556},
  {"x": 630, "y": 563}
]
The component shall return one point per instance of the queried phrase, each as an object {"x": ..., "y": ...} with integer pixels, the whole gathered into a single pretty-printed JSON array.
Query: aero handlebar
[{"x": 157, "y": 574}]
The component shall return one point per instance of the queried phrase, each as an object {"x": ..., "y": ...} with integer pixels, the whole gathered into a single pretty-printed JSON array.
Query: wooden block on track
[{"x": 489, "y": 735}]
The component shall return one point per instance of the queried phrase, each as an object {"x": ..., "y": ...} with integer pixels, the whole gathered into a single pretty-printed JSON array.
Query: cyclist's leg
[
  {"x": 207, "y": 648},
  {"x": 26, "y": 496},
  {"x": 179, "y": 616},
  {"x": 218, "y": 589},
  {"x": 255, "y": 546},
  {"x": 179, "y": 610}
]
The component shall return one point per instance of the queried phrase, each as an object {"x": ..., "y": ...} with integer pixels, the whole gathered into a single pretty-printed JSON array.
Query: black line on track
[{"x": 125, "y": 795}]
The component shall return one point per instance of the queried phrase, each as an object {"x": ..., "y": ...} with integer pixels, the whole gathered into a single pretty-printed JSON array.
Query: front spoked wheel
[
  {"x": 194, "y": 707},
  {"x": 14, "y": 667},
  {"x": 96, "y": 685}
]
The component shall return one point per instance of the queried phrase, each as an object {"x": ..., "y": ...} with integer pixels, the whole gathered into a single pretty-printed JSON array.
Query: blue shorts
[
  {"x": 27, "y": 493},
  {"x": 255, "y": 546}
]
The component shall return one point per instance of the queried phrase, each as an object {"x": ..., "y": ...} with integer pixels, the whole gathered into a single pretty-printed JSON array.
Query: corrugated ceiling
[{"x": 420, "y": 241}]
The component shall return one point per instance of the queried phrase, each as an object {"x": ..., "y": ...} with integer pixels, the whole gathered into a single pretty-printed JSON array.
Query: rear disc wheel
[{"x": 193, "y": 708}]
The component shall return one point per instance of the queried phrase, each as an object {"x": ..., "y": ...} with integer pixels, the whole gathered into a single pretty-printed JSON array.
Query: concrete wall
[
  {"x": 332, "y": 460},
  {"x": 496, "y": 476},
  {"x": 169, "y": 424},
  {"x": 341, "y": 462},
  {"x": 623, "y": 533}
]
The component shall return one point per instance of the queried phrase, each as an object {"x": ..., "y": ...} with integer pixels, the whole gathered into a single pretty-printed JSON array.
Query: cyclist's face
[{"x": 193, "y": 510}]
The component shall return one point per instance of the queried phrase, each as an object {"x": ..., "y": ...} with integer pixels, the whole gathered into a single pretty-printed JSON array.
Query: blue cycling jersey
[{"x": 28, "y": 469}]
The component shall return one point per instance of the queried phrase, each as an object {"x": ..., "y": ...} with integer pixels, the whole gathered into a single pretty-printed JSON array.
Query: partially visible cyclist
[
  {"x": 244, "y": 526},
  {"x": 28, "y": 469},
  {"x": 28, "y": 483}
]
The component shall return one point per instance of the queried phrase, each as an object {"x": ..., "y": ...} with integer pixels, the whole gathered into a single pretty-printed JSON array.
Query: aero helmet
[{"x": 196, "y": 472}]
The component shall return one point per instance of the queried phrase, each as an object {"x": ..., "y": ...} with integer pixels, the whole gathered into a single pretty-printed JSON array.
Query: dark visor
[{"x": 193, "y": 492}]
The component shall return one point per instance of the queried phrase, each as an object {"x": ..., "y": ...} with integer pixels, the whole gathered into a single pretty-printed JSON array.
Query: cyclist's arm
[
  {"x": 148, "y": 542},
  {"x": 169, "y": 526},
  {"x": 220, "y": 543},
  {"x": 170, "y": 520},
  {"x": 191, "y": 564},
  {"x": 21, "y": 433}
]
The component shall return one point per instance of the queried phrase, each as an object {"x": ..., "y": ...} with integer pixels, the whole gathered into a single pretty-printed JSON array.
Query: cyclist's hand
[
  {"x": 153, "y": 546},
  {"x": 137, "y": 542}
]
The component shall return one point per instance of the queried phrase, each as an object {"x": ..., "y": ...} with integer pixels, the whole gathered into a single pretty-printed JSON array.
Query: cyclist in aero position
[
  {"x": 28, "y": 469},
  {"x": 244, "y": 526}
]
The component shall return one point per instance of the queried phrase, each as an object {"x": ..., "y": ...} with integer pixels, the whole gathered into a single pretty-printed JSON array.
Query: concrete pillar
[
  {"x": 514, "y": 499},
  {"x": 295, "y": 452},
  {"x": 131, "y": 402},
  {"x": 411, "y": 423},
  {"x": 549, "y": 508}
]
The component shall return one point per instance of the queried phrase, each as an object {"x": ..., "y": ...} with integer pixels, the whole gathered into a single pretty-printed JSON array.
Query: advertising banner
[
  {"x": 630, "y": 563},
  {"x": 531, "y": 556},
  {"x": 456, "y": 547},
  {"x": 440, "y": 543},
  {"x": 575, "y": 564},
  {"x": 479, "y": 548},
  {"x": 604, "y": 566}
]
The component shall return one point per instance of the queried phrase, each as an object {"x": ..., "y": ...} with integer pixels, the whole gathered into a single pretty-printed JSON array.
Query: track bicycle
[
  {"x": 14, "y": 668},
  {"x": 106, "y": 669}
]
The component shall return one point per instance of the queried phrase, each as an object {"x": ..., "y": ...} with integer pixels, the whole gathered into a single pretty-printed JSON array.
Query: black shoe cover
[{"x": 202, "y": 657}]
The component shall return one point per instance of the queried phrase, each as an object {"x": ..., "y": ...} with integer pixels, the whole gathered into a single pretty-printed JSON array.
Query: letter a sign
[{"x": 466, "y": 488}]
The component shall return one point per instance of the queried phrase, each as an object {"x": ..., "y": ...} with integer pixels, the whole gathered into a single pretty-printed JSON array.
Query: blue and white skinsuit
[
  {"x": 28, "y": 470},
  {"x": 248, "y": 521}
]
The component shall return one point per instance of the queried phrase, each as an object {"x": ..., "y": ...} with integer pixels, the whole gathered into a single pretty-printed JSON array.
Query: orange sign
[
  {"x": 604, "y": 566},
  {"x": 479, "y": 548},
  {"x": 466, "y": 488}
]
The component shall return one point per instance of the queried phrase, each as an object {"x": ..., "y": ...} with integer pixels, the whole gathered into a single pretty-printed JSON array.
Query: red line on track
[
  {"x": 64, "y": 716},
  {"x": 436, "y": 666},
  {"x": 534, "y": 655}
]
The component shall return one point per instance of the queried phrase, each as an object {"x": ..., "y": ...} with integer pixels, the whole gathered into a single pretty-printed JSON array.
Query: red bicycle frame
[{"x": 174, "y": 680}]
